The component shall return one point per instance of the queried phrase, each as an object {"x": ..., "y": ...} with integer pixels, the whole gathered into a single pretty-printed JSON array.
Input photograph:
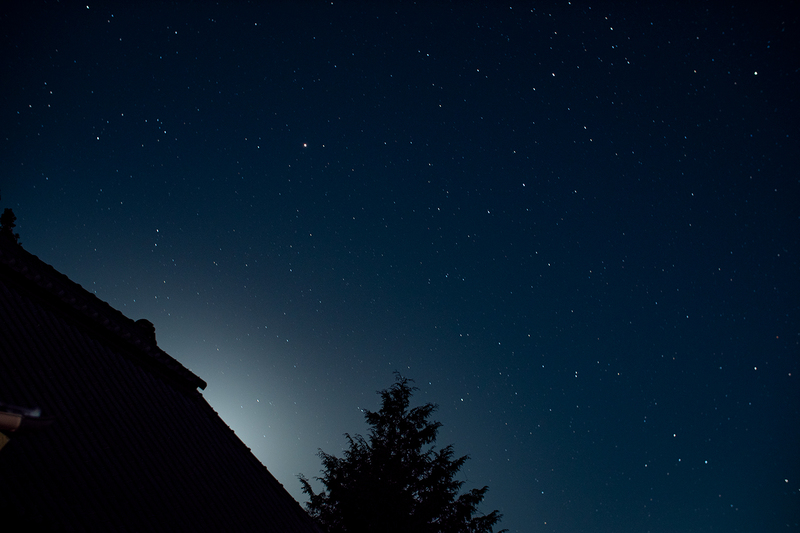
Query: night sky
[{"x": 575, "y": 227}]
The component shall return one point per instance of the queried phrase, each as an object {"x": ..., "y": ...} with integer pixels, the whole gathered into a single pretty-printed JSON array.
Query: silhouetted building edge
[{"x": 122, "y": 439}]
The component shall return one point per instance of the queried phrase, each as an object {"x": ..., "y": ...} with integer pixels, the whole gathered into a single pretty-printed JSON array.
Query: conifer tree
[
  {"x": 396, "y": 480},
  {"x": 8, "y": 223}
]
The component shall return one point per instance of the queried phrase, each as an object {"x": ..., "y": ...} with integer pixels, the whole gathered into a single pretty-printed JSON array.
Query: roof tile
[{"x": 134, "y": 445}]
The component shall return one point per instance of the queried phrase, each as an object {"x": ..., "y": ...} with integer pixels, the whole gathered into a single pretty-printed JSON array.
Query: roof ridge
[{"x": 139, "y": 336}]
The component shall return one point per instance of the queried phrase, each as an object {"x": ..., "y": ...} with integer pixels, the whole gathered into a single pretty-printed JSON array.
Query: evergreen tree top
[{"x": 397, "y": 480}]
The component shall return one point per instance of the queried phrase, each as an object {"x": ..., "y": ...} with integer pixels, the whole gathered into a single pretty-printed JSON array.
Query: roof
[{"x": 133, "y": 445}]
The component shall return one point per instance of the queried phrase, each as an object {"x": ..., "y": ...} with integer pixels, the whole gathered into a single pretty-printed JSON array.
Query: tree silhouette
[
  {"x": 7, "y": 224},
  {"x": 396, "y": 480}
]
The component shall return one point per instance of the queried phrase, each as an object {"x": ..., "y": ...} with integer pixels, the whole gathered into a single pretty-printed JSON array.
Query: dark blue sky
[{"x": 575, "y": 227}]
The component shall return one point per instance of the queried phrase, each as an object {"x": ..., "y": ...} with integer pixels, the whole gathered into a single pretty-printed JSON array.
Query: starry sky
[{"x": 575, "y": 226}]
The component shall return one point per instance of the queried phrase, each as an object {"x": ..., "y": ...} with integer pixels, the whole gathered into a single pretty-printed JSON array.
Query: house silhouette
[{"x": 101, "y": 430}]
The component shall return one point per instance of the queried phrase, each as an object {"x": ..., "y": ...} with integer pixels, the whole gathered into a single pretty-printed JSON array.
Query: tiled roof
[{"x": 134, "y": 446}]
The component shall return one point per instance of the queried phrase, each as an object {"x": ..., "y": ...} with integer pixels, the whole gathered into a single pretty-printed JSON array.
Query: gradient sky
[{"x": 575, "y": 227}]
